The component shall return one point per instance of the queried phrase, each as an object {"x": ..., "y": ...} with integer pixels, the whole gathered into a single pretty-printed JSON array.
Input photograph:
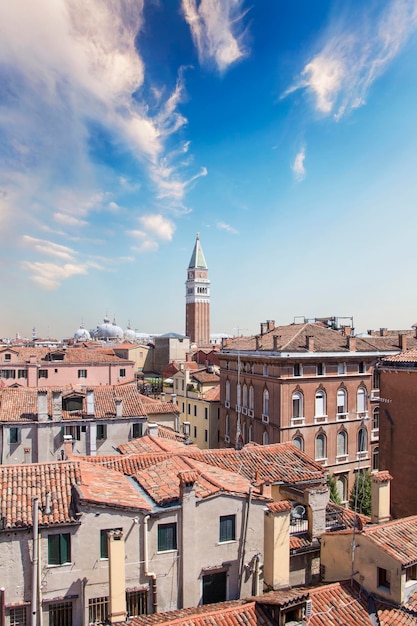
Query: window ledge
[
  {"x": 297, "y": 421},
  {"x": 222, "y": 543},
  {"x": 167, "y": 551},
  {"x": 341, "y": 416},
  {"x": 321, "y": 419}
]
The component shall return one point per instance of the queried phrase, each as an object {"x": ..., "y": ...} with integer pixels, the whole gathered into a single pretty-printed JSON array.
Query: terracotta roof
[
  {"x": 234, "y": 613},
  {"x": 151, "y": 444},
  {"x": 409, "y": 356},
  {"x": 281, "y": 505},
  {"x": 381, "y": 477},
  {"x": 212, "y": 395},
  {"x": 162, "y": 480},
  {"x": 398, "y": 538},
  {"x": 107, "y": 487},
  {"x": 205, "y": 377},
  {"x": 293, "y": 338},
  {"x": 70, "y": 355},
  {"x": 21, "y": 404},
  {"x": 20, "y": 484}
]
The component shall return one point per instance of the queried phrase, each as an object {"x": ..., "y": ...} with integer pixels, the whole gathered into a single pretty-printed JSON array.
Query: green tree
[
  {"x": 360, "y": 496},
  {"x": 334, "y": 494}
]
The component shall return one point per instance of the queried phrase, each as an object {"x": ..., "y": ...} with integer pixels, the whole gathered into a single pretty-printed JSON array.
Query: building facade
[
  {"x": 197, "y": 298},
  {"x": 310, "y": 384}
]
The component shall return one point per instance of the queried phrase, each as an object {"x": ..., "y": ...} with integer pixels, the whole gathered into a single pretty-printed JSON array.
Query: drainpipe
[
  {"x": 147, "y": 573},
  {"x": 2, "y": 608},
  {"x": 245, "y": 532},
  {"x": 40, "y": 614},
  {"x": 255, "y": 587},
  {"x": 34, "y": 602}
]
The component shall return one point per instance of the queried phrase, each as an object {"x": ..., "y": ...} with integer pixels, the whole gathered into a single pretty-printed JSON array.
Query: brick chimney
[
  {"x": 270, "y": 324},
  {"x": 380, "y": 497},
  {"x": 402, "y": 341},
  {"x": 310, "y": 343},
  {"x": 56, "y": 404},
  {"x": 276, "y": 342},
  {"x": 383, "y": 332},
  {"x": 264, "y": 327},
  {"x": 346, "y": 331},
  {"x": 277, "y": 544},
  {"x": 351, "y": 344}
]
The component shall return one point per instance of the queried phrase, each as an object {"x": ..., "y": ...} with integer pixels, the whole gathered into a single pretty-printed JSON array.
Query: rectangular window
[
  {"x": 59, "y": 549},
  {"x": 298, "y": 370},
  {"x": 137, "y": 430},
  {"x": 227, "y": 528},
  {"x": 43, "y": 374},
  {"x": 14, "y": 435},
  {"x": 341, "y": 369},
  {"x": 104, "y": 545},
  {"x": 206, "y": 435},
  {"x": 101, "y": 432},
  {"x": 18, "y": 616},
  {"x": 206, "y": 413},
  {"x": 167, "y": 537},
  {"x": 98, "y": 610},
  {"x": 7, "y": 357},
  {"x": 22, "y": 374},
  {"x": 183, "y": 407},
  {"x": 384, "y": 578},
  {"x": 122, "y": 372},
  {"x": 195, "y": 432},
  {"x": 82, "y": 373},
  {"x": 8, "y": 373},
  {"x": 411, "y": 573},
  {"x": 320, "y": 369},
  {"x": 74, "y": 431},
  {"x": 195, "y": 410},
  {"x": 189, "y": 409},
  {"x": 60, "y": 613},
  {"x": 362, "y": 367},
  {"x": 136, "y": 603}
]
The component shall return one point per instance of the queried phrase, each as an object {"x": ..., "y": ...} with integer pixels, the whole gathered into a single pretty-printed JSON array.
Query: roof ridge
[{"x": 295, "y": 336}]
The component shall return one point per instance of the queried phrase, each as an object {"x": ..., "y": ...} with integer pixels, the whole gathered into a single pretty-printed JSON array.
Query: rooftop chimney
[
  {"x": 346, "y": 331},
  {"x": 56, "y": 405},
  {"x": 152, "y": 429},
  {"x": 310, "y": 343},
  {"x": 68, "y": 446},
  {"x": 27, "y": 455},
  {"x": 380, "y": 497},
  {"x": 351, "y": 343},
  {"x": 119, "y": 407},
  {"x": 383, "y": 332},
  {"x": 90, "y": 401},
  {"x": 277, "y": 544},
  {"x": 117, "y": 576},
  {"x": 42, "y": 406},
  {"x": 270, "y": 324},
  {"x": 264, "y": 327},
  {"x": 402, "y": 340}
]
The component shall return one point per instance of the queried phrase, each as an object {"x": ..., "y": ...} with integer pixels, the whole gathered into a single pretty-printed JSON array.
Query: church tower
[{"x": 197, "y": 298}]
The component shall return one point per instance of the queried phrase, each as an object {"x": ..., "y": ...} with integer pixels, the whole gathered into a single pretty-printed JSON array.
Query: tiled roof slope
[
  {"x": 293, "y": 338},
  {"x": 22, "y": 404},
  {"x": 205, "y": 377},
  {"x": 70, "y": 355},
  {"x": 409, "y": 356},
  {"x": 20, "y": 484},
  {"x": 276, "y": 463},
  {"x": 161, "y": 480},
  {"x": 235, "y": 613},
  {"x": 398, "y": 538},
  {"x": 105, "y": 486}
]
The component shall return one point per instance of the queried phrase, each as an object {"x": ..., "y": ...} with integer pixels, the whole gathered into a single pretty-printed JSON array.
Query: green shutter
[
  {"x": 65, "y": 545},
  {"x": 53, "y": 550}
]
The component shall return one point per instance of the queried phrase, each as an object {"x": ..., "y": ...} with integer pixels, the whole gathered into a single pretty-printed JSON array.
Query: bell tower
[{"x": 197, "y": 298}]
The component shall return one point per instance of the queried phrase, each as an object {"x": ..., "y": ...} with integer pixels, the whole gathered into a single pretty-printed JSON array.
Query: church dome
[
  {"x": 82, "y": 334},
  {"x": 108, "y": 330},
  {"x": 129, "y": 334}
]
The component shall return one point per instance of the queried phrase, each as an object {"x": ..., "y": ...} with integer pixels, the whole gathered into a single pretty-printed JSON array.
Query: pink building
[{"x": 43, "y": 367}]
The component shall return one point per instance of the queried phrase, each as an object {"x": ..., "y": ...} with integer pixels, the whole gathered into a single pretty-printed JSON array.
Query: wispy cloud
[
  {"x": 217, "y": 30},
  {"x": 49, "y": 247},
  {"x": 68, "y": 220},
  {"x": 340, "y": 75},
  {"x": 50, "y": 275},
  {"x": 227, "y": 228},
  {"x": 154, "y": 227},
  {"x": 297, "y": 166}
]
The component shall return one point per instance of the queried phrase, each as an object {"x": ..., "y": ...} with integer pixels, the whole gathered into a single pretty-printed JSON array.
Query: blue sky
[{"x": 285, "y": 132}]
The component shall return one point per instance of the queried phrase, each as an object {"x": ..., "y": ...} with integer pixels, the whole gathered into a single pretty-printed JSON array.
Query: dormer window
[{"x": 7, "y": 356}]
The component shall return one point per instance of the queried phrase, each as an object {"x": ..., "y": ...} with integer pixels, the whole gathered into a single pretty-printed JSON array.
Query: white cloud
[
  {"x": 217, "y": 31},
  {"x": 68, "y": 220},
  {"x": 50, "y": 275},
  {"x": 226, "y": 227},
  {"x": 158, "y": 225},
  {"x": 49, "y": 247},
  {"x": 340, "y": 75},
  {"x": 298, "y": 165}
]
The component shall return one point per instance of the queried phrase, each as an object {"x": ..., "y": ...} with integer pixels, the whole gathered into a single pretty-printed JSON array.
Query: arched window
[
  {"x": 341, "y": 401},
  {"x": 342, "y": 443},
  {"x": 251, "y": 433},
  {"x": 245, "y": 396},
  {"x": 251, "y": 398},
  {"x": 265, "y": 410},
  {"x": 320, "y": 403},
  {"x": 321, "y": 447},
  {"x": 361, "y": 400},
  {"x": 341, "y": 486},
  {"x": 227, "y": 425},
  {"x": 227, "y": 391},
  {"x": 298, "y": 442},
  {"x": 375, "y": 459},
  {"x": 238, "y": 394},
  {"x": 297, "y": 404},
  {"x": 265, "y": 439},
  {"x": 375, "y": 418},
  {"x": 362, "y": 440}
]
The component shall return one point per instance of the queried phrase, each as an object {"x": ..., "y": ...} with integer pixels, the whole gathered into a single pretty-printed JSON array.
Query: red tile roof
[
  {"x": 70, "y": 355},
  {"x": 398, "y": 538},
  {"x": 409, "y": 356}
]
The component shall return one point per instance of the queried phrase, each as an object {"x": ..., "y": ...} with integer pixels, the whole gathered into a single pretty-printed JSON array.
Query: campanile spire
[{"x": 197, "y": 298}]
